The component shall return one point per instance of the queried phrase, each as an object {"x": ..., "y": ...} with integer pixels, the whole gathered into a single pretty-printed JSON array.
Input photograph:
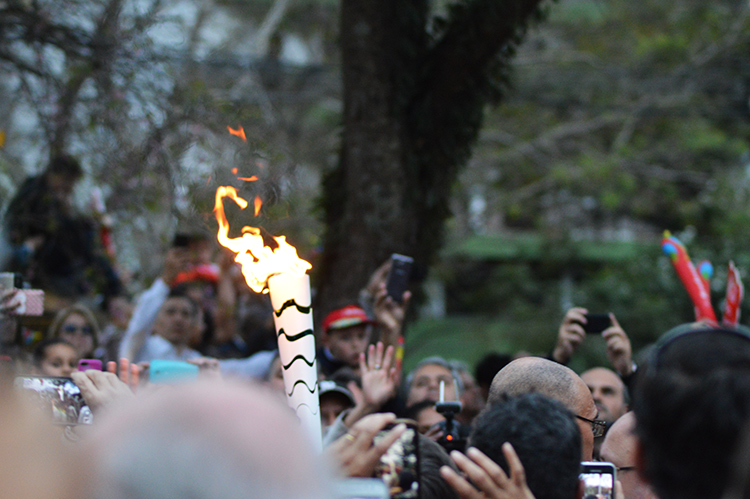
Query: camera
[{"x": 455, "y": 435}]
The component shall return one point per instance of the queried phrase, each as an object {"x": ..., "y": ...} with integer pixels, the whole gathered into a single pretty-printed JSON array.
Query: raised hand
[
  {"x": 619, "y": 351},
  {"x": 128, "y": 373},
  {"x": 100, "y": 388},
  {"x": 379, "y": 382},
  {"x": 570, "y": 335},
  {"x": 488, "y": 477},
  {"x": 356, "y": 452},
  {"x": 390, "y": 314}
]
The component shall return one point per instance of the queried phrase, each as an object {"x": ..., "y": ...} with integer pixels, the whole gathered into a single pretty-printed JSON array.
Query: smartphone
[
  {"x": 57, "y": 396},
  {"x": 85, "y": 364},
  {"x": 398, "y": 276},
  {"x": 399, "y": 466},
  {"x": 31, "y": 302},
  {"x": 596, "y": 323},
  {"x": 598, "y": 479},
  {"x": 169, "y": 372},
  {"x": 360, "y": 488}
]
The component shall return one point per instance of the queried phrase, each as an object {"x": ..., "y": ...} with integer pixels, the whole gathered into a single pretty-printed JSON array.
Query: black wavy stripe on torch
[{"x": 291, "y": 303}]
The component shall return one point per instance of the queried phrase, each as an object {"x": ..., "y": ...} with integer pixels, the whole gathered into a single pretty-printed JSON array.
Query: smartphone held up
[
  {"x": 598, "y": 479},
  {"x": 399, "y": 466},
  {"x": 57, "y": 396},
  {"x": 398, "y": 276}
]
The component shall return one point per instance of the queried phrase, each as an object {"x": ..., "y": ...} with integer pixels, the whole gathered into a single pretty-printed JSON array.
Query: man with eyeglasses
[
  {"x": 538, "y": 375},
  {"x": 619, "y": 448}
]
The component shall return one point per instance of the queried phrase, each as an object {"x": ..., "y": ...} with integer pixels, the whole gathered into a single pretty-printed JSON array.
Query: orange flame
[
  {"x": 234, "y": 170},
  {"x": 258, "y": 204},
  {"x": 248, "y": 179},
  {"x": 259, "y": 262},
  {"x": 240, "y": 132}
]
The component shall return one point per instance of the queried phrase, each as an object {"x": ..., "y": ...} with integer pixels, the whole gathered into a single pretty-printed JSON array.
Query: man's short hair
[
  {"x": 431, "y": 458},
  {"x": 691, "y": 400},
  {"x": 543, "y": 433}
]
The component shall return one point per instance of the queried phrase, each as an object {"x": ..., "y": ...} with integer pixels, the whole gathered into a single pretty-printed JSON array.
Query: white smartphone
[{"x": 598, "y": 479}]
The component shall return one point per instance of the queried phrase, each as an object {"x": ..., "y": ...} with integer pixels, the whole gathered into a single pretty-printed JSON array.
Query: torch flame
[
  {"x": 240, "y": 132},
  {"x": 258, "y": 204},
  {"x": 259, "y": 262}
]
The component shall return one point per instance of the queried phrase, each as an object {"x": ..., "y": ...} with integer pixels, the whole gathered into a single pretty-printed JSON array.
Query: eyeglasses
[
  {"x": 597, "y": 425},
  {"x": 71, "y": 329}
]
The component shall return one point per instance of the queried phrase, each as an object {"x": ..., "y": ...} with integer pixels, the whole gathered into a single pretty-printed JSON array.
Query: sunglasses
[{"x": 71, "y": 329}]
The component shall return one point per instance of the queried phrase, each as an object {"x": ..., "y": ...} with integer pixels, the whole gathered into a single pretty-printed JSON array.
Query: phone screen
[
  {"x": 57, "y": 396},
  {"x": 596, "y": 323},
  {"x": 598, "y": 480},
  {"x": 399, "y": 466}
]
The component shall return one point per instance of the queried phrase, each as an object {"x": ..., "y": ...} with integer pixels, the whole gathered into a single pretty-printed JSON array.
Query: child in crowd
[
  {"x": 78, "y": 326},
  {"x": 346, "y": 334},
  {"x": 55, "y": 357}
]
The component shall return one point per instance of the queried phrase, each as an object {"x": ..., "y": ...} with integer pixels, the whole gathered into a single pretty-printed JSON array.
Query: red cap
[
  {"x": 351, "y": 315},
  {"x": 205, "y": 272}
]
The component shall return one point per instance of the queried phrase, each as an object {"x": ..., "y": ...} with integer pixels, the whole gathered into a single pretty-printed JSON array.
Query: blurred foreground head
[
  {"x": 692, "y": 399},
  {"x": 36, "y": 462},
  {"x": 205, "y": 440}
]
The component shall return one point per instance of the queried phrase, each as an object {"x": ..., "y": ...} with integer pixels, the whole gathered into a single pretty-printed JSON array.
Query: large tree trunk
[
  {"x": 365, "y": 196},
  {"x": 412, "y": 110}
]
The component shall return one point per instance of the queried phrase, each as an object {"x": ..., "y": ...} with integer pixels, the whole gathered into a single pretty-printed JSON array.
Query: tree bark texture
[{"x": 413, "y": 105}]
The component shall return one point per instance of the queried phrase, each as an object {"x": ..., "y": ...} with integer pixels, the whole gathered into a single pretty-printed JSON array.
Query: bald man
[
  {"x": 205, "y": 440},
  {"x": 535, "y": 374},
  {"x": 608, "y": 391},
  {"x": 619, "y": 448}
]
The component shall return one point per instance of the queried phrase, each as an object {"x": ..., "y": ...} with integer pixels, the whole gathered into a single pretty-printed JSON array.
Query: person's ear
[
  {"x": 581, "y": 488},
  {"x": 640, "y": 461}
]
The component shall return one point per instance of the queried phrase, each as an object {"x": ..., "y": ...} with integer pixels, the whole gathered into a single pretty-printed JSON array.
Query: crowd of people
[{"x": 675, "y": 426}]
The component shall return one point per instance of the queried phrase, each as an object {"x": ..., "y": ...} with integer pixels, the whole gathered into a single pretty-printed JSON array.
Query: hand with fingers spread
[
  {"x": 356, "y": 452},
  {"x": 489, "y": 479},
  {"x": 100, "y": 388},
  {"x": 570, "y": 335},
  {"x": 619, "y": 351},
  {"x": 379, "y": 382},
  {"x": 128, "y": 373}
]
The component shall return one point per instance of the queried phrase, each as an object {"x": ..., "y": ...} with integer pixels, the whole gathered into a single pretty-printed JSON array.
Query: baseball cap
[
  {"x": 351, "y": 315},
  {"x": 328, "y": 386}
]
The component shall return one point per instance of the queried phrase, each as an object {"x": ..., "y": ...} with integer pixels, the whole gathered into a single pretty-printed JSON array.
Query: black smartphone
[
  {"x": 399, "y": 466},
  {"x": 596, "y": 323},
  {"x": 57, "y": 396},
  {"x": 598, "y": 479},
  {"x": 398, "y": 276}
]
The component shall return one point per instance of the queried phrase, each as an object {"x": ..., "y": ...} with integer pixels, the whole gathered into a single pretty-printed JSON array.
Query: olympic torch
[{"x": 280, "y": 271}]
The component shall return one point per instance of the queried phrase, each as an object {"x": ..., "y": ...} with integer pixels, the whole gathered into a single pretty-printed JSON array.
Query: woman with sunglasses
[{"x": 77, "y": 325}]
